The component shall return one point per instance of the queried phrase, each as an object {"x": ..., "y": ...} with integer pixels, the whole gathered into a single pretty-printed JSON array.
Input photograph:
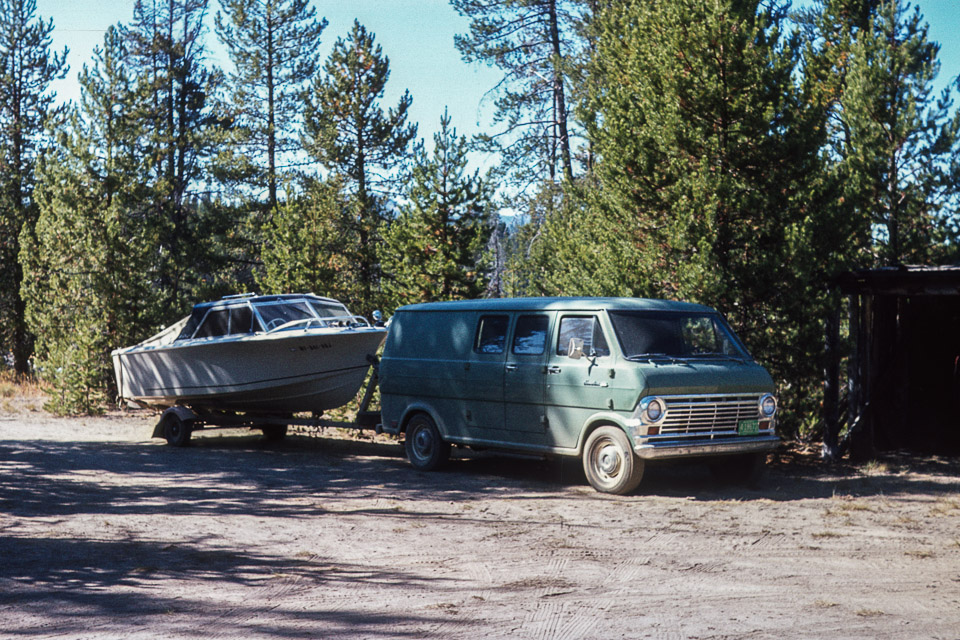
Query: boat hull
[{"x": 284, "y": 372}]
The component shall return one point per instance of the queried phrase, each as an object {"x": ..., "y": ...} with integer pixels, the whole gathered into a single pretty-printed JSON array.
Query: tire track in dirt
[{"x": 231, "y": 620}]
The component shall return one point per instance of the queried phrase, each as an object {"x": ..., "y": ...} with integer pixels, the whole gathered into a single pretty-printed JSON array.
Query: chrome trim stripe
[{"x": 674, "y": 449}]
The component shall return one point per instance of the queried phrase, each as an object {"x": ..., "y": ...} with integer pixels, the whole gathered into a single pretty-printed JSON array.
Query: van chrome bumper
[{"x": 676, "y": 448}]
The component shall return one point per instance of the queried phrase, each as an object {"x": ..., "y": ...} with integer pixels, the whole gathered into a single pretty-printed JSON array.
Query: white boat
[{"x": 258, "y": 354}]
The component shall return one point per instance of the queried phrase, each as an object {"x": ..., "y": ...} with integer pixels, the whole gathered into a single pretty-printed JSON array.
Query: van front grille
[{"x": 698, "y": 415}]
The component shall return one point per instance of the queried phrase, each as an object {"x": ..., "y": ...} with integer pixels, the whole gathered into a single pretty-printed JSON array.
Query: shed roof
[{"x": 904, "y": 280}]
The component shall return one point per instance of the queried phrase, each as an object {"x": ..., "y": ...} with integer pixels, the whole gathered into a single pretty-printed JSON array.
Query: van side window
[
  {"x": 530, "y": 337},
  {"x": 584, "y": 328},
  {"x": 491, "y": 334}
]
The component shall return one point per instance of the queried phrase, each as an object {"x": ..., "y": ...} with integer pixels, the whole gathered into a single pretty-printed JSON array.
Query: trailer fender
[{"x": 185, "y": 414}]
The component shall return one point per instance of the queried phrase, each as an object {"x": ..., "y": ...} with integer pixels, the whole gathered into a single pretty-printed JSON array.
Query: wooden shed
[{"x": 901, "y": 384}]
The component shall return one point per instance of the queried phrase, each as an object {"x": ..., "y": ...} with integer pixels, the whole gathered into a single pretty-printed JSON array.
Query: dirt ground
[{"x": 105, "y": 533}]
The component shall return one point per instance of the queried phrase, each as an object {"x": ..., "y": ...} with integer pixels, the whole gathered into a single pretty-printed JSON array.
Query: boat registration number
[{"x": 748, "y": 427}]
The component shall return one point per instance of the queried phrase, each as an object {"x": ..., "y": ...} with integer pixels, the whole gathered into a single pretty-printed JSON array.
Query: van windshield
[{"x": 654, "y": 334}]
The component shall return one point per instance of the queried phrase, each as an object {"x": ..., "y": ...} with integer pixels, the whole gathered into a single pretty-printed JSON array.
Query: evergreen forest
[{"x": 735, "y": 153}]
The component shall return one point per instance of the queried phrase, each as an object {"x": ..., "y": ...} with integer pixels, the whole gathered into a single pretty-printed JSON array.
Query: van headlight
[
  {"x": 768, "y": 405},
  {"x": 652, "y": 410}
]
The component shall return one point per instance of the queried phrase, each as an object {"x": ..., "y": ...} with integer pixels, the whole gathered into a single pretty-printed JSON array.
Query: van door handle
[
  {"x": 553, "y": 369},
  {"x": 511, "y": 367}
]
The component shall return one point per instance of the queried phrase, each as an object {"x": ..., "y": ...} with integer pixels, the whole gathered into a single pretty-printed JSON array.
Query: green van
[{"x": 615, "y": 381}]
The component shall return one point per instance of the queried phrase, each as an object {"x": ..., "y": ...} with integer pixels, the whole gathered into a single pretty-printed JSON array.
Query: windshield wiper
[
  {"x": 718, "y": 354},
  {"x": 650, "y": 357}
]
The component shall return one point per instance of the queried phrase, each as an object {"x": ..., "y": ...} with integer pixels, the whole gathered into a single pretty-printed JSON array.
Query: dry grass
[
  {"x": 876, "y": 468},
  {"x": 845, "y": 506},
  {"x": 922, "y": 554},
  {"x": 820, "y": 535},
  {"x": 870, "y": 613},
  {"x": 945, "y": 507},
  {"x": 16, "y": 395}
]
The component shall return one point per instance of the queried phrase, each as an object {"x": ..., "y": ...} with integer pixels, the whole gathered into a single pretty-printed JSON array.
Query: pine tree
[
  {"x": 900, "y": 159},
  {"x": 273, "y": 45},
  {"x": 348, "y": 133},
  {"x": 707, "y": 154},
  {"x": 830, "y": 29},
  {"x": 180, "y": 129},
  {"x": 88, "y": 279},
  {"x": 306, "y": 249},
  {"x": 432, "y": 251},
  {"x": 533, "y": 42},
  {"x": 27, "y": 67}
]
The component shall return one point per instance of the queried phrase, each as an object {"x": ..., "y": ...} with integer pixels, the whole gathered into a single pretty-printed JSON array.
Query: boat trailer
[{"x": 177, "y": 423}]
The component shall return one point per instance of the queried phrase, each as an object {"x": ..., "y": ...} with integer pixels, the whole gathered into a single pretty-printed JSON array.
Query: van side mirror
[
  {"x": 575, "y": 348},
  {"x": 377, "y": 318}
]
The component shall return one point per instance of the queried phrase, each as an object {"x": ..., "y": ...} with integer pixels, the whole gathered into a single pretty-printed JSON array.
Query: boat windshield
[
  {"x": 238, "y": 317},
  {"x": 649, "y": 335},
  {"x": 326, "y": 309},
  {"x": 232, "y": 321},
  {"x": 275, "y": 314}
]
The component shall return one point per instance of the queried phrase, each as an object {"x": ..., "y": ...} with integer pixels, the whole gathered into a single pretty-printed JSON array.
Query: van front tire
[
  {"x": 426, "y": 450},
  {"x": 609, "y": 462}
]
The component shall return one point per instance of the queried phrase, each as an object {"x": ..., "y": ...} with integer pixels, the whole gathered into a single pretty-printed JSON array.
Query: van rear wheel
[
  {"x": 609, "y": 462},
  {"x": 426, "y": 450}
]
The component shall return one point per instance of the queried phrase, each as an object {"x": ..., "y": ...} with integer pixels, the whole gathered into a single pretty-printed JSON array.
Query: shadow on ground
[
  {"x": 66, "y": 580},
  {"x": 65, "y": 583},
  {"x": 247, "y": 475}
]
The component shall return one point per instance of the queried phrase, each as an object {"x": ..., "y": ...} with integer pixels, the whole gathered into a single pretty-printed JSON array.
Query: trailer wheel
[
  {"x": 274, "y": 432},
  {"x": 177, "y": 430},
  {"x": 426, "y": 450},
  {"x": 609, "y": 462}
]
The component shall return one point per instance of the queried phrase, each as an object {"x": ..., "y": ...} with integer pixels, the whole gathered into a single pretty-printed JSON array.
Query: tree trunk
[
  {"x": 831, "y": 387},
  {"x": 271, "y": 118},
  {"x": 563, "y": 139}
]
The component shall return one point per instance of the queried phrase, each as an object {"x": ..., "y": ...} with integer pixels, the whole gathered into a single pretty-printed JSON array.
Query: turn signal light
[{"x": 653, "y": 431}]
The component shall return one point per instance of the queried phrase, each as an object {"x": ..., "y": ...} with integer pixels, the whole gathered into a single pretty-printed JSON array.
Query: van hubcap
[
  {"x": 608, "y": 461},
  {"x": 423, "y": 442}
]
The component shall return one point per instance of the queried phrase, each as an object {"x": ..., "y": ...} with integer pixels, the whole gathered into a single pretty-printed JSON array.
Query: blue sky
[{"x": 417, "y": 36}]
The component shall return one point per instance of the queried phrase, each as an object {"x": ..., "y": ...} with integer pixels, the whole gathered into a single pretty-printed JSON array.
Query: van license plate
[{"x": 748, "y": 427}]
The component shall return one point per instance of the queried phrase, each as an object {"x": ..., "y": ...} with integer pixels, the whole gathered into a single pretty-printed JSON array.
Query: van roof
[{"x": 558, "y": 304}]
